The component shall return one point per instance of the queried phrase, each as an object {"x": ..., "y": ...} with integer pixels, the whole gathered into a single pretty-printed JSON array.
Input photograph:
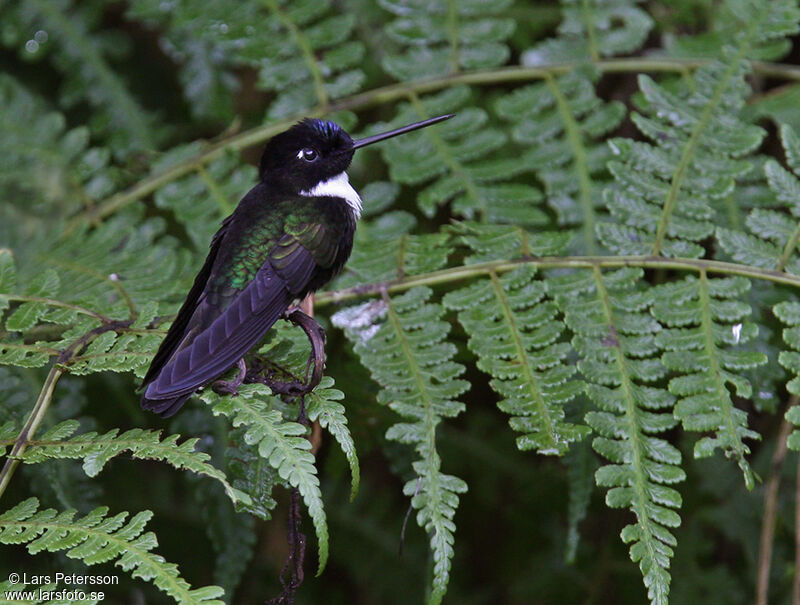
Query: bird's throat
[{"x": 337, "y": 186}]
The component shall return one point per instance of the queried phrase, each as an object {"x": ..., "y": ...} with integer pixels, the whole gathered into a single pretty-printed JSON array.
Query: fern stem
[
  {"x": 694, "y": 139},
  {"x": 34, "y": 420},
  {"x": 216, "y": 193},
  {"x": 640, "y": 507},
  {"x": 452, "y": 34},
  {"x": 789, "y": 249},
  {"x": 581, "y": 164},
  {"x": 301, "y": 40},
  {"x": 389, "y": 94},
  {"x": 452, "y": 163},
  {"x": 767, "y": 539},
  {"x": 115, "y": 283},
  {"x": 446, "y": 276},
  {"x": 55, "y": 303},
  {"x": 433, "y": 499},
  {"x": 591, "y": 36},
  {"x": 687, "y": 156},
  {"x": 726, "y": 405},
  {"x": 522, "y": 354}
]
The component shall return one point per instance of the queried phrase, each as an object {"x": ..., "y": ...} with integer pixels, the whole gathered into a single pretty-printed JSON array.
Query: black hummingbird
[{"x": 289, "y": 236}]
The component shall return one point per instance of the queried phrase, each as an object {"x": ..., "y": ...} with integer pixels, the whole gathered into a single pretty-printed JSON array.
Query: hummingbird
[{"x": 288, "y": 236}]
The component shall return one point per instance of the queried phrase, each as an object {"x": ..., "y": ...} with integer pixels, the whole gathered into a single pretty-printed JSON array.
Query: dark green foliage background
[{"x": 616, "y": 203}]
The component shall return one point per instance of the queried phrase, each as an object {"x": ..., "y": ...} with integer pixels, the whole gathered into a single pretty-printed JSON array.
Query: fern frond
[
  {"x": 86, "y": 281},
  {"x": 593, "y": 29},
  {"x": 202, "y": 199},
  {"x": 774, "y": 232},
  {"x": 280, "y": 442},
  {"x": 323, "y": 405},
  {"x": 251, "y": 473},
  {"x": 515, "y": 333},
  {"x": 383, "y": 251},
  {"x": 665, "y": 188},
  {"x": 496, "y": 242},
  {"x": 615, "y": 338},
  {"x": 400, "y": 340},
  {"x": 301, "y": 49},
  {"x": 124, "y": 260},
  {"x": 559, "y": 121},
  {"x": 96, "y": 450},
  {"x": 97, "y": 538},
  {"x": 44, "y": 161},
  {"x": 789, "y": 314},
  {"x": 443, "y": 37},
  {"x": 732, "y": 18},
  {"x": 704, "y": 320},
  {"x": 462, "y": 161},
  {"x": 581, "y": 466},
  {"x": 82, "y": 57}
]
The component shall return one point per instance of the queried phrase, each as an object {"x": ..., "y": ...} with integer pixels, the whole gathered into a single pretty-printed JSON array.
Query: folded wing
[{"x": 283, "y": 277}]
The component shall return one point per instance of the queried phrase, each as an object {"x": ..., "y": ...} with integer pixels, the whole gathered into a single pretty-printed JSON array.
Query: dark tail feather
[{"x": 164, "y": 407}]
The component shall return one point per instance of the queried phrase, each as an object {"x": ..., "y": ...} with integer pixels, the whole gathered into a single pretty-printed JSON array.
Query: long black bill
[{"x": 393, "y": 133}]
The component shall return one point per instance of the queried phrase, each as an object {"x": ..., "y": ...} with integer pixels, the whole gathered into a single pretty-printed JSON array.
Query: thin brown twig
[{"x": 771, "y": 510}]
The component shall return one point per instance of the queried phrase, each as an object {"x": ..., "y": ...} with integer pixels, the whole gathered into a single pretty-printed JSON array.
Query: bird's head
[
  {"x": 313, "y": 151},
  {"x": 308, "y": 153}
]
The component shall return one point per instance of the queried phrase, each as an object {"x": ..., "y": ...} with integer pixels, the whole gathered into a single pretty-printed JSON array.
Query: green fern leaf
[
  {"x": 559, "y": 122},
  {"x": 502, "y": 242},
  {"x": 731, "y": 21},
  {"x": 459, "y": 164},
  {"x": 614, "y": 336},
  {"x": 581, "y": 466},
  {"x": 775, "y": 232},
  {"x": 96, "y": 450},
  {"x": 420, "y": 384},
  {"x": 202, "y": 199},
  {"x": 789, "y": 314},
  {"x": 593, "y": 29},
  {"x": 97, "y": 538},
  {"x": 439, "y": 38},
  {"x": 379, "y": 254},
  {"x": 515, "y": 334},
  {"x": 250, "y": 473},
  {"x": 281, "y": 443},
  {"x": 323, "y": 406},
  {"x": 46, "y": 166},
  {"x": 704, "y": 319},
  {"x": 301, "y": 49}
]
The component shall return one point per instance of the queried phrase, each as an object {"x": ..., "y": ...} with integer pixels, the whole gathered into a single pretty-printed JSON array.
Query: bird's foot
[
  {"x": 316, "y": 360},
  {"x": 314, "y": 366},
  {"x": 231, "y": 387}
]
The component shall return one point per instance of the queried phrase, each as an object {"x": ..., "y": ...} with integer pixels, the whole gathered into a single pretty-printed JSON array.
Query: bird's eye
[{"x": 307, "y": 154}]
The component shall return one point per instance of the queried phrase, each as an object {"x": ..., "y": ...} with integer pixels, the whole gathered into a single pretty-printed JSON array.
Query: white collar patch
[{"x": 337, "y": 186}]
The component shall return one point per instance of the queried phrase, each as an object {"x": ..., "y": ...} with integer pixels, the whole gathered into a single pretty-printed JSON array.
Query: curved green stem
[
  {"x": 446, "y": 276},
  {"x": 55, "y": 303},
  {"x": 34, "y": 420},
  {"x": 305, "y": 48},
  {"x": 388, "y": 94},
  {"x": 581, "y": 163}
]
